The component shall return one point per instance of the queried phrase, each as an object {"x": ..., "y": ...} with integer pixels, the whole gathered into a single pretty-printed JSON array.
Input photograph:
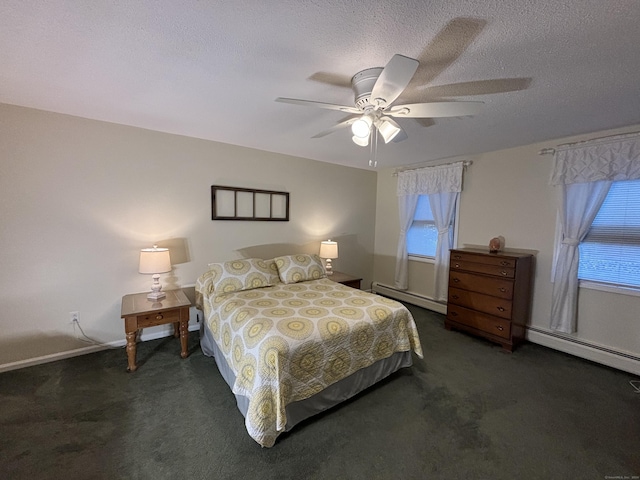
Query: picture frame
[{"x": 236, "y": 203}]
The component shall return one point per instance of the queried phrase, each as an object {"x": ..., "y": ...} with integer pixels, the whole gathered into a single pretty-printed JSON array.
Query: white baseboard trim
[
  {"x": 410, "y": 297},
  {"x": 596, "y": 353},
  {"x": 29, "y": 362}
]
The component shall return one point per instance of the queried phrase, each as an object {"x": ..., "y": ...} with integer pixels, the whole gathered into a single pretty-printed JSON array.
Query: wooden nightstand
[
  {"x": 138, "y": 312},
  {"x": 343, "y": 278}
]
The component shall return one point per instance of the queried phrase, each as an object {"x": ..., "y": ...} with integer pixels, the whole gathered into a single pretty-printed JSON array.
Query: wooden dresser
[{"x": 490, "y": 294}]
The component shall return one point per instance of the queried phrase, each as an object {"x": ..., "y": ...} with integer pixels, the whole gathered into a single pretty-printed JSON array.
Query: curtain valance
[
  {"x": 429, "y": 180},
  {"x": 614, "y": 159}
]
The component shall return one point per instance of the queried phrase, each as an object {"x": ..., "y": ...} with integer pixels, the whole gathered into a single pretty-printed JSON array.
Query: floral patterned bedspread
[{"x": 289, "y": 341}]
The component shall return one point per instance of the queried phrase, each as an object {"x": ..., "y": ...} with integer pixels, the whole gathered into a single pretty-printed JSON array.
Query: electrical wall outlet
[{"x": 73, "y": 317}]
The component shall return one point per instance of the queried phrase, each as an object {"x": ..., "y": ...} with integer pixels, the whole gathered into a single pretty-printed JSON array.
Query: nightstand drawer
[
  {"x": 479, "y": 321},
  {"x": 158, "y": 318}
]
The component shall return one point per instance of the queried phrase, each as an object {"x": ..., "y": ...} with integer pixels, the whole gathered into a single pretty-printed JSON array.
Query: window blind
[{"x": 610, "y": 252}]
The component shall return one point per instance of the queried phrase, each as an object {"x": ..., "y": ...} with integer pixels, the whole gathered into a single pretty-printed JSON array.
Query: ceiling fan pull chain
[
  {"x": 371, "y": 148},
  {"x": 373, "y": 155}
]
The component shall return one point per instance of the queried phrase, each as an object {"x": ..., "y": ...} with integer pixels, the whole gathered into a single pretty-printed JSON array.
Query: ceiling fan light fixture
[
  {"x": 363, "y": 142},
  {"x": 387, "y": 130},
  {"x": 361, "y": 128}
]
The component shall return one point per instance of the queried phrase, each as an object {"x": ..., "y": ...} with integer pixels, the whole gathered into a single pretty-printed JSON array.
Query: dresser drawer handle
[
  {"x": 500, "y": 309},
  {"x": 502, "y": 289},
  {"x": 504, "y": 273},
  {"x": 455, "y": 297},
  {"x": 457, "y": 265},
  {"x": 457, "y": 257},
  {"x": 500, "y": 327},
  {"x": 456, "y": 280},
  {"x": 504, "y": 263},
  {"x": 159, "y": 317},
  {"x": 454, "y": 314}
]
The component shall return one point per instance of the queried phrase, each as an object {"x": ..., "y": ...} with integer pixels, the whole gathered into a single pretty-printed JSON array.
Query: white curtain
[
  {"x": 443, "y": 207},
  {"x": 443, "y": 184},
  {"x": 579, "y": 206},
  {"x": 584, "y": 173},
  {"x": 407, "y": 207}
]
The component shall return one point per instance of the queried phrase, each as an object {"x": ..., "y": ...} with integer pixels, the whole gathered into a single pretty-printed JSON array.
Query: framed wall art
[{"x": 233, "y": 203}]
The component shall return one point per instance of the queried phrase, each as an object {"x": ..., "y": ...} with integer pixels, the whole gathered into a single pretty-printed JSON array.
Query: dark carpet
[{"x": 467, "y": 411}]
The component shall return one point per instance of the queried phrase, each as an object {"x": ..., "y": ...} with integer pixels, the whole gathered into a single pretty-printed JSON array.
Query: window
[
  {"x": 610, "y": 253},
  {"x": 422, "y": 236}
]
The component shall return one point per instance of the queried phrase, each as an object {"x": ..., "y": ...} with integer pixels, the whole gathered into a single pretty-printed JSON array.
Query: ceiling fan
[{"x": 375, "y": 90}]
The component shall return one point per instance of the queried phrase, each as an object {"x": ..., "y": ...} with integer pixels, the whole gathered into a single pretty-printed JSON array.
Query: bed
[{"x": 292, "y": 343}]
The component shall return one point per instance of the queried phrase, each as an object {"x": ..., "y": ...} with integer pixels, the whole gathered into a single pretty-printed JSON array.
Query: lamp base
[
  {"x": 156, "y": 289},
  {"x": 328, "y": 268},
  {"x": 156, "y": 295}
]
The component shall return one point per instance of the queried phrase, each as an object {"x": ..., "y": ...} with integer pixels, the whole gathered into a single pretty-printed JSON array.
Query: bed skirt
[{"x": 329, "y": 397}]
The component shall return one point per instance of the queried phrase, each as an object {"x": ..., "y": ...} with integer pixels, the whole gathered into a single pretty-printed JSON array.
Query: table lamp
[
  {"x": 155, "y": 261},
  {"x": 328, "y": 251}
]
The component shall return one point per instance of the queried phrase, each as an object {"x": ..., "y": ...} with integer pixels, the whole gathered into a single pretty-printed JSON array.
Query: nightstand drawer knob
[{"x": 159, "y": 317}]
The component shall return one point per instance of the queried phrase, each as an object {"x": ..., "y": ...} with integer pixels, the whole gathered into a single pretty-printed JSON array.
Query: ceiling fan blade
[
  {"x": 395, "y": 76},
  {"x": 435, "y": 109},
  {"x": 337, "y": 126},
  {"x": 310, "y": 103}
]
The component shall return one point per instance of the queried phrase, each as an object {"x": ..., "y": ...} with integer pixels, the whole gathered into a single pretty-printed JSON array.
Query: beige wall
[
  {"x": 508, "y": 193},
  {"x": 80, "y": 198}
]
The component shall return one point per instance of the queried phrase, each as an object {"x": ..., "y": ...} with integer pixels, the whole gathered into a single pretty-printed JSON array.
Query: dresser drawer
[
  {"x": 496, "y": 287},
  {"x": 480, "y": 321},
  {"x": 158, "y": 318},
  {"x": 499, "y": 307},
  {"x": 487, "y": 259},
  {"x": 487, "y": 269}
]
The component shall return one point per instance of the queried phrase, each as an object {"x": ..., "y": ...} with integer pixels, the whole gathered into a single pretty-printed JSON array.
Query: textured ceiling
[{"x": 212, "y": 69}]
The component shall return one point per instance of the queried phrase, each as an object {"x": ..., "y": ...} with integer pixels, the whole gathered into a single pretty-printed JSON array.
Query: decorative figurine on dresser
[{"x": 490, "y": 294}]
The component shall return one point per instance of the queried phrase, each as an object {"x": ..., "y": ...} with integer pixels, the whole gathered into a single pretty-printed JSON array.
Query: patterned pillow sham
[
  {"x": 244, "y": 274},
  {"x": 299, "y": 268}
]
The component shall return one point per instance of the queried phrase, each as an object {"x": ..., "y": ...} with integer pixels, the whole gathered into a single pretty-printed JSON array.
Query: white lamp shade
[
  {"x": 363, "y": 142},
  {"x": 362, "y": 127},
  {"x": 154, "y": 260},
  {"x": 387, "y": 130},
  {"x": 328, "y": 249}
]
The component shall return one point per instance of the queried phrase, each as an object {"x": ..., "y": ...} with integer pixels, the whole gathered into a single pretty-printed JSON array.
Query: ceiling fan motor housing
[{"x": 362, "y": 83}]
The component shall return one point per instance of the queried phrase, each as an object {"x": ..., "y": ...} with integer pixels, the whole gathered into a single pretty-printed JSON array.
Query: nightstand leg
[
  {"x": 184, "y": 332},
  {"x": 184, "y": 337},
  {"x": 131, "y": 351},
  {"x": 176, "y": 329}
]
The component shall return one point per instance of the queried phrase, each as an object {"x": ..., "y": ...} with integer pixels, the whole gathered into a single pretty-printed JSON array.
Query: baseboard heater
[
  {"x": 587, "y": 350},
  {"x": 547, "y": 338},
  {"x": 410, "y": 297}
]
